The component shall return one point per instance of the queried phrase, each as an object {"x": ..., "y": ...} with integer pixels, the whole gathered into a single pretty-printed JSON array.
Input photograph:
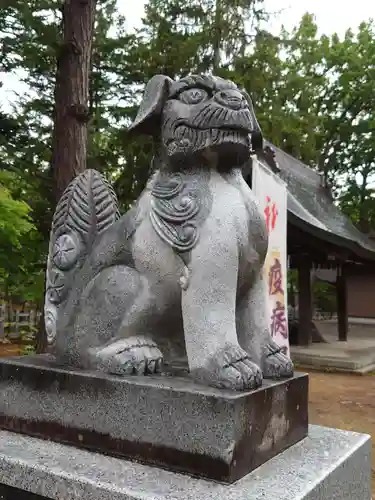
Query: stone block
[
  {"x": 161, "y": 420},
  {"x": 328, "y": 465}
]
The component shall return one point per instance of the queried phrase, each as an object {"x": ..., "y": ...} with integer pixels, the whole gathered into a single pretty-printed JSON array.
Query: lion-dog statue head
[{"x": 199, "y": 119}]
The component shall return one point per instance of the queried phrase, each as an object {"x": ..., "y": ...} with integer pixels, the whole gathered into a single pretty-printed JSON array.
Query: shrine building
[{"x": 321, "y": 237}]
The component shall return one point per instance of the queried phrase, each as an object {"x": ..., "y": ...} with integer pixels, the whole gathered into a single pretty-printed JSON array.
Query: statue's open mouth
[
  {"x": 206, "y": 137},
  {"x": 229, "y": 135},
  {"x": 231, "y": 145}
]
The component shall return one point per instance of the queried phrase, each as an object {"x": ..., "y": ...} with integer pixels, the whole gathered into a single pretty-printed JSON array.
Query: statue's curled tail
[{"x": 86, "y": 209}]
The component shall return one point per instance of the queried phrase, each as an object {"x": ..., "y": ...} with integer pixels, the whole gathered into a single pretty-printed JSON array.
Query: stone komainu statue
[{"x": 180, "y": 274}]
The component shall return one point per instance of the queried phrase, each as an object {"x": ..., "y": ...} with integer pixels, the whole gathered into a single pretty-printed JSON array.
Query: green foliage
[
  {"x": 14, "y": 216},
  {"x": 324, "y": 296},
  {"x": 22, "y": 250},
  {"x": 28, "y": 350}
]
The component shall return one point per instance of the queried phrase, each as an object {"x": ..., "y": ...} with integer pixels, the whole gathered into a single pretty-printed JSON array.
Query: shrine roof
[{"x": 311, "y": 207}]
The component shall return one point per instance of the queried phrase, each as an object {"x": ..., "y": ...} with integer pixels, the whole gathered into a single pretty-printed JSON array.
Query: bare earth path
[
  {"x": 346, "y": 402},
  {"x": 7, "y": 350}
]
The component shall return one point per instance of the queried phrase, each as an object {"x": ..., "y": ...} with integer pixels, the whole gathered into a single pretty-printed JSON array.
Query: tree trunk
[
  {"x": 69, "y": 150},
  {"x": 216, "y": 44},
  {"x": 364, "y": 224},
  {"x": 41, "y": 343},
  {"x": 69, "y": 141}
]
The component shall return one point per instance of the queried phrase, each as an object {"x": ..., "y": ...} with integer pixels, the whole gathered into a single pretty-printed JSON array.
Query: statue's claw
[
  {"x": 230, "y": 368},
  {"x": 136, "y": 355},
  {"x": 275, "y": 364}
]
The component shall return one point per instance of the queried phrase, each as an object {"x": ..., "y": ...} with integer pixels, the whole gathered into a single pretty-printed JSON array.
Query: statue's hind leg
[{"x": 114, "y": 322}]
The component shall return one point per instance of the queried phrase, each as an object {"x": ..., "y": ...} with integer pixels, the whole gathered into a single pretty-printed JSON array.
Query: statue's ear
[
  {"x": 256, "y": 134},
  {"x": 155, "y": 95}
]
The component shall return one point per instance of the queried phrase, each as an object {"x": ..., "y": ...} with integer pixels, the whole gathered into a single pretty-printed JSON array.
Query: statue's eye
[{"x": 193, "y": 96}]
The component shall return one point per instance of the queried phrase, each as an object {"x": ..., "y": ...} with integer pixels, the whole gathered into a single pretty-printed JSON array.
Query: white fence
[
  {"x": 318, "y": 314},
  {"x": 14, "y": 323},
  {"x": 324, "y": 315}
]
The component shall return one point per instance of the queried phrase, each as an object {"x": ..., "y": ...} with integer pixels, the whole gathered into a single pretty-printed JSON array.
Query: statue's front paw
[
  {"x": 230, "y": 368},
  {"x": 137, "y": 355},
  {"x": 275, "y": 364}
]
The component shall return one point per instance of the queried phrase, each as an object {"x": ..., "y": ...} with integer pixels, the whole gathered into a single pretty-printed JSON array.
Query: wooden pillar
[
  {"x": 305, "y": 308},
  {"x": 342, "y": 302}
]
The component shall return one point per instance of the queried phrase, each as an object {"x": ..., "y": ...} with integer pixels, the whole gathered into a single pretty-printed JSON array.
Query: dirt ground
[
  {"x": 7, "y": 350},
  {"x": 346, "y": 402}
]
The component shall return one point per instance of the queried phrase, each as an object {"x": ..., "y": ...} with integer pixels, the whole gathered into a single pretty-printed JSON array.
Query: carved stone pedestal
[{"x": 166, "y": 421}]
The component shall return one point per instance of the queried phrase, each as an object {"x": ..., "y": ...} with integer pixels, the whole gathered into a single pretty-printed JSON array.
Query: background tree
[
  {"x": 314, "y": 97},
  {"x": 71, "y": 113}
]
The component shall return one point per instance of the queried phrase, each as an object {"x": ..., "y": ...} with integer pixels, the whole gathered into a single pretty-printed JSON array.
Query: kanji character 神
[{"x": 271, "y": 214}]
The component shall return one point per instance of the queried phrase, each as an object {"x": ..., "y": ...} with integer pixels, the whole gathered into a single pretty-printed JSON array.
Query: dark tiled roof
[{"x": 311, "y": 208}]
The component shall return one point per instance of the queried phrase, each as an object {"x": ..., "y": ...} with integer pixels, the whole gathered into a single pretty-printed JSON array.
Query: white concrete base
[{"x": 328, "y": 465}]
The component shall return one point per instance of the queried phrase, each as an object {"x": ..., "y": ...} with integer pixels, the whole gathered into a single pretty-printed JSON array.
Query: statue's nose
[{"x": 231, "y": 98}]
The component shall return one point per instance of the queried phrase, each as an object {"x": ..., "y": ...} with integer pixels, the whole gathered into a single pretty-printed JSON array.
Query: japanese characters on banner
[{"x": 271, "y": 192}]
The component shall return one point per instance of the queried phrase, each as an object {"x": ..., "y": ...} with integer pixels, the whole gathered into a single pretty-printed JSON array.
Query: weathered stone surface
[
  {"x": 328, "y": 465},
  {"x": 9, "y": 493},
  {"x": 168, "y": 421},
  {"x": 181, "y": 273}
]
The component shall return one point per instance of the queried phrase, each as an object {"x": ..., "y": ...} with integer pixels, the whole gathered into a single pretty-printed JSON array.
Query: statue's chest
[
  {"x": 248, "y": 217},
  {"x": 182, "y": 204}
]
